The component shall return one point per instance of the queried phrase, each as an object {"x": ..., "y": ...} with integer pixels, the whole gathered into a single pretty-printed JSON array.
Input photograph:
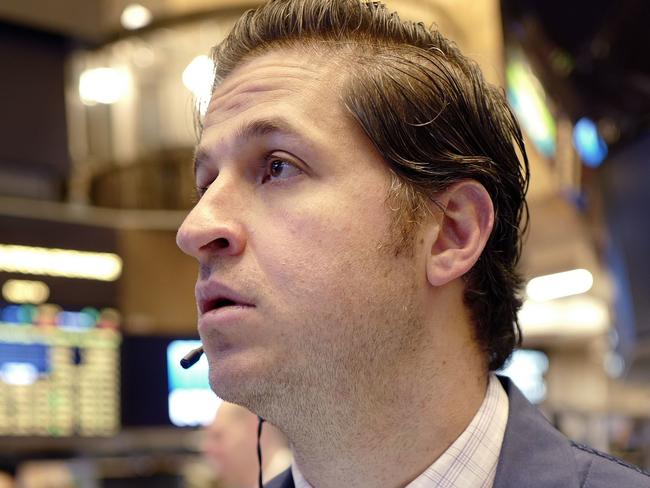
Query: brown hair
[{"x": 432, "y": 117}]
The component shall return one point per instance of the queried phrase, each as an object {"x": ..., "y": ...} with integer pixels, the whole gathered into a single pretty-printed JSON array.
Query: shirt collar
[{"x": 471, "y": 461}]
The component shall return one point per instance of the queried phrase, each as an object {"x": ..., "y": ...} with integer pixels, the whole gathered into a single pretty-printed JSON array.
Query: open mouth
[
  {"x": 213, "y": 296},
  {"x": 221, "y": 303}
]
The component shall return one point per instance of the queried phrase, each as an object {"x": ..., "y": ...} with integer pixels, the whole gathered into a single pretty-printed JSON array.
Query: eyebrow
[{"x": 254, "y": 129}]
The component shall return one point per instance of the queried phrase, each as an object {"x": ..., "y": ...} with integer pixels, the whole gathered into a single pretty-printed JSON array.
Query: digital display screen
[
  {"x": 526, "y": 368},
  {"x": 59, "y": 371},
  {"x": 191, "y": 402}
]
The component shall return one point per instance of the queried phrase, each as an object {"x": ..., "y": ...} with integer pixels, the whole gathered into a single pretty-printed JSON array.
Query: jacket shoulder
[
  {"x": 283, "y": 480},
  {"x": 601, "y": 470}
]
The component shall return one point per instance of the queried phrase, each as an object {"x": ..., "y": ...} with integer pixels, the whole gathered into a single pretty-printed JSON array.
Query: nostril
[
  {"x": 217, "y": 244},
  {"x": 221, "y": 243}
]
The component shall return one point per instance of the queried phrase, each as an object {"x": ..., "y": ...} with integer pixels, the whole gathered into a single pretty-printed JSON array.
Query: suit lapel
[
  {"x": 283, "y": 480},
  {"x": 534, "y": 454}
]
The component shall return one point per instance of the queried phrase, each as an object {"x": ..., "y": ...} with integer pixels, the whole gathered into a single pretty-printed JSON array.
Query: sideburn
[{"x": 408, "y": 210}]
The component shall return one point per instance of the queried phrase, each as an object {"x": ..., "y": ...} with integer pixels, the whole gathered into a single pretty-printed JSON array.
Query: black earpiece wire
[
  {"x": 259, "y": 448},
  {"x": 188, "y": 361}
]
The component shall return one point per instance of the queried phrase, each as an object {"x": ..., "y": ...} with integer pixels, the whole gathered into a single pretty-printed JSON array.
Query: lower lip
[{"x": 224, "y": 316}]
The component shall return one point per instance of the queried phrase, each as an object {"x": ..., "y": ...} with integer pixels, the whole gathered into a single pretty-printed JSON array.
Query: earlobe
[{"x": 455, "y": 242}]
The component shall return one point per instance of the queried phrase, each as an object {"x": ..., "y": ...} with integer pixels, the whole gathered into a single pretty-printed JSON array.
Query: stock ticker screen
[{"x": 59, "y": 371}]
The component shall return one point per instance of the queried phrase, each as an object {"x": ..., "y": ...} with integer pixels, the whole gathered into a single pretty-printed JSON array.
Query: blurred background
[{"x": 96, "y": 140}]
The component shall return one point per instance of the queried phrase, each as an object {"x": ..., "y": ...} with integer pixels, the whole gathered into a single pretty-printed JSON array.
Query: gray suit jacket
[{"x": 536, "y": 455}]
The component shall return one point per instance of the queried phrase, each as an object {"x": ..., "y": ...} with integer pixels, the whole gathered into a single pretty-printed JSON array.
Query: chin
[{"x": 238, "y": 382}]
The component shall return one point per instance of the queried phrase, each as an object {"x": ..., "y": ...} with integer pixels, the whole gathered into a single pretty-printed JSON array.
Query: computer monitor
[
  {"x": 157, "y": 391},
  {"x": 59, "y": 371}
]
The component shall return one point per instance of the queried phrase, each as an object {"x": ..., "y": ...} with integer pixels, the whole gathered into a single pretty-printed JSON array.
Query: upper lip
[{"x": 209, "y": 293}]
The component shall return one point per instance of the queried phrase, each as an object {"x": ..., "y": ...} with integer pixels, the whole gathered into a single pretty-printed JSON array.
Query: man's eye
[{"x": 279, "y": 169}]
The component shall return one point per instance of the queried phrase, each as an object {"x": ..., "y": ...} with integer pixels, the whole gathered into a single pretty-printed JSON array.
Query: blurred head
[
  {"x": 45, "y": 474},
  {"x": 431, "y": 116},
  {"x": 230, "y": 446},
  {"x": 6, "y": 480}
]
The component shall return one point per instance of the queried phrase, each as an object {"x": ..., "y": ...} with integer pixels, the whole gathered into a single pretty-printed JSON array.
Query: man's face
[{"x": 294, "y": 226}]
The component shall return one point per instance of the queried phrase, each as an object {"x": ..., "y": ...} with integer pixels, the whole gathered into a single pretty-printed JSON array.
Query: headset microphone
[
  {"x": 189, "y": 360},
  {"x": 191, "y": 357}
]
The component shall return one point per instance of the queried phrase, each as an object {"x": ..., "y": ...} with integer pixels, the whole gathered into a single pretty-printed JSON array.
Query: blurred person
[
  {"x": 230, "y": 443},
  {"x": 6, "y": 480},
  {"x": 361, "y": 197},
  {"x": 45, "y": 474}
]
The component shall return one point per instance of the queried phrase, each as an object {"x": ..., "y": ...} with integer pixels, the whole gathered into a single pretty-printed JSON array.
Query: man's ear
[{"x": 457, "y": 240}]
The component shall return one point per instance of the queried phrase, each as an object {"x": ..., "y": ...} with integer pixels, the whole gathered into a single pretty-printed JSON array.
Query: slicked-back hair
[{"x": 433, "y": 118}]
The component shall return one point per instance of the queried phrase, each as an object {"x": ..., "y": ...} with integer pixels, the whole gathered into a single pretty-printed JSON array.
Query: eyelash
[{"x": 264, "y": 166}]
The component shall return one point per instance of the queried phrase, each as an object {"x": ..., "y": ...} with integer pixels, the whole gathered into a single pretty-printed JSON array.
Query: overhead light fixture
[
  {"x": 574, "y": 317},
  {"x": 68, "y": 263},
  {"x": 25, "y": 291},
  {"x": 135, "y": 16},
  {"x": 103, "y": 85},
  {"x": 198, "y": 77},
  {"x": 558, "y": 285}
]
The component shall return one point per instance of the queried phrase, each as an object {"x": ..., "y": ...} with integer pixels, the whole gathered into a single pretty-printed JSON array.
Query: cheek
[
  {"x": 318, "y": 248},
  {"x": 320, "y": 254}
]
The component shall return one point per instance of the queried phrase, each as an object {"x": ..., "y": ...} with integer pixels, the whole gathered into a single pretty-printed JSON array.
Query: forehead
[
  {"x": 288, "y": 94},
  {"x": 281, "y": 75}
]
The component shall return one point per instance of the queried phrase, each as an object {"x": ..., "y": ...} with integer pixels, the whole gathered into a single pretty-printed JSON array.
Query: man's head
[
  {"x": 431, "y": 116},
  {"x": 337, "y": 133},
  {"x": 229, "y": 445}
]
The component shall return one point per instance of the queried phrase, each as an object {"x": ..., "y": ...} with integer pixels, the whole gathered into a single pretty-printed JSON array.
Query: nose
[{"x": 211, "y": 229}]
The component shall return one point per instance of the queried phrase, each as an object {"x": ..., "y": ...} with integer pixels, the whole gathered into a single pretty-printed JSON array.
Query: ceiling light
[
  {"x": 68, "y": 263},
  {"x": 557, "y": 285},
  {"x": 198, "y": 77},
  {"x": 24, "y": 291},
  {"x": 135, "y": 16},
  {"x": 103, "y": 85},
  {"x": 573, "y": 317}
]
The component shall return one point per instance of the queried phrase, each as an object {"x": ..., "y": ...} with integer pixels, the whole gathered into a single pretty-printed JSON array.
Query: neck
[
  {"x": 391, "y": 444},
  {"x": 387, "y": 436}
]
